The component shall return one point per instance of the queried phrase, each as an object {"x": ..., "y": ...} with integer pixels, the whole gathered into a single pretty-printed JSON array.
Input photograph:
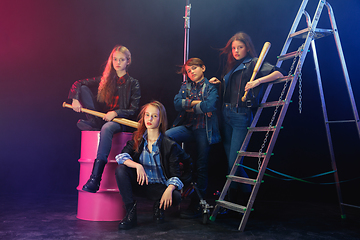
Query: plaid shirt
[
  {"x": 152, "y": 166},
  {"x": 192, "y": 119}
]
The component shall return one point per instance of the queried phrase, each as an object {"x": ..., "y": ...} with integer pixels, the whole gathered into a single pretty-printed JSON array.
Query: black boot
[
  {"x": 93, "y": 183},
  {"x": 158, "y": 213},
  {"x": 194, "y": 210},
  {"x": 130, "y": 220},
  {"x": 91, "y": 124},
  {"x": 88, "y": 125}
]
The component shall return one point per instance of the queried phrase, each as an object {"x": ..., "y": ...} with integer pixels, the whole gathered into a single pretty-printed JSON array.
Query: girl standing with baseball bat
[
  {"x": 115, "y": 93},
  {"x": 237, "y": 114}
]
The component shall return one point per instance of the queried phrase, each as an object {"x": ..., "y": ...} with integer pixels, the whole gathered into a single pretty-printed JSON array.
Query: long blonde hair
[
  {"x": 142, "y": 128},
  {"x": 107, "y": 86}
]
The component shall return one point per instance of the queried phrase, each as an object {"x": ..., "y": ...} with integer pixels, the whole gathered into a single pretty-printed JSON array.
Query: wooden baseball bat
[
  {"x": 123, "y": 121},
  {"x": 259, "y": 62}
]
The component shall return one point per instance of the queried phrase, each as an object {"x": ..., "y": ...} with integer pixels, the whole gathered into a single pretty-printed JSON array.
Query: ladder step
[
  {"x": 242, "y": 179},
  {"x": 252, "y": 154},
  {"x": 272, "y": 104},
  {"x": 231, "y": 206},
  {"x": 287, "y": 56},
  {"x": 342, "y": 121},
  {"x": 262, "y": 129},
  {"x": 318, "y": 33}
]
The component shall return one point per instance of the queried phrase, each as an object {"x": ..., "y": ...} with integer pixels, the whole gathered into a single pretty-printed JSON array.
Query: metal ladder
[{"x": 309, "y": 34}]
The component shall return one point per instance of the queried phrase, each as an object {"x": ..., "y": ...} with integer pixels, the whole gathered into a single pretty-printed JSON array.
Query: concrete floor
[{"x": 34, "y": 217}]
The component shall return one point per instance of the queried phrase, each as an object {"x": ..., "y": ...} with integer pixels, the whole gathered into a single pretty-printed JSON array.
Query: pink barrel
[{"x": 106, "y": 204}]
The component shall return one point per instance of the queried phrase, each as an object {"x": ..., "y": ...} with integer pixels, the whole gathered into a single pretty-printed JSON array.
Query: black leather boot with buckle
[
  {"x": 158, "y": 213},
  {"x": 130, "y": 220},
  {"x": 93, "y": 184}
]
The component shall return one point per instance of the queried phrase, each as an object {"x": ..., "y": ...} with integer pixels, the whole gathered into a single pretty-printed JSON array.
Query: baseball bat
[
  {"x": 259, "y": 62},
  {"x": 123, "y": 121}
]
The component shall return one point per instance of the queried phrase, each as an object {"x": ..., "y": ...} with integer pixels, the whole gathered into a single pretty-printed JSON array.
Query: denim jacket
[{"x": 208, "y": 103}]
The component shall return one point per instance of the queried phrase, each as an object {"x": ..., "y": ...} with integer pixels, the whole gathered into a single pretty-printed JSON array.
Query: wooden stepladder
[{"x": 280, "y": 106}]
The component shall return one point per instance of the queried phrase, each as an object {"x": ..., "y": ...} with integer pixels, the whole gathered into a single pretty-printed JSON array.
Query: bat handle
[{"x": 243, "y": 99}]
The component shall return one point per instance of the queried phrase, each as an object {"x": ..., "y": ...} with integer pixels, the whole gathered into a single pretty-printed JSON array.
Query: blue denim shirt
[
  {"x": 151, "y": 164},
  {"x": 209, "y": 103}
]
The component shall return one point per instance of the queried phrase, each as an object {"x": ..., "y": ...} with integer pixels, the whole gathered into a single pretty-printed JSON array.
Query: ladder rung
[
  {"x": 341, "y": 121},
  {"x": 231, "y": 206},
  {"x": 272, "y": 104},
  {"x": 242, "y": 179},
  {"x": 354, "y": 206},
  {"x": 251, "y": 154},
  {"x": 318, "y": 33},
  {"x": 262, "y": 129},
  {"x": 287, "y": 56},
  {"x": 300, "y": 34}
]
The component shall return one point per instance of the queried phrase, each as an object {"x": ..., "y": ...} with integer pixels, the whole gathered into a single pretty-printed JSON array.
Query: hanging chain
[
  {"x": 300, "y": 78},
  {"x": 300, "y": 92},
  {"x": 298, "y": 54}
]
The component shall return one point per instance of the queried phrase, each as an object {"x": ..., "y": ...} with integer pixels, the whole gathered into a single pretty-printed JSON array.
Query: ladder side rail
[
  {"x": 233, "y": 171},
  {"x": 225, "y": 188},
  {"x": 239, "y": 157},
  {"x": 267, "y": 157},
  {"x": 268, "y": 154},
  {"x": 343, "y": 65},
  {"x": 273, "y": 140},
  {"x": 221, "y": 197},
  {"x": 326, "y": 122},
  {"x": 235, "y": 166},
  {"x": 286, "y": 105},
  {"x": 260, "y": 176},
  {"x": 279, "y": 122},
  {"x": 259, "y": 109},
  {"x": 309, "y": 37},
  {"x": 264, "y": 100},
  {"x": 257, "y": 185},
  {"x": 255, "y": 120},
  {"x": 292, "y": 30},
  {"x": 256, "y": 117},
  {"x": 249, "y": 206}
]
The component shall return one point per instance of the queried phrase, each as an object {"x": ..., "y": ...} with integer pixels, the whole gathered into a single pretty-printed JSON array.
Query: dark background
[{"x": 47, "y": 45}]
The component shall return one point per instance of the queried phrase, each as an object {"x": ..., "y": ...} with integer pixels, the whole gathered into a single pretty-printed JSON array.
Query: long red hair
[
  {"x": 227, "y": 50},
  {"x": 138, "y": 134}
]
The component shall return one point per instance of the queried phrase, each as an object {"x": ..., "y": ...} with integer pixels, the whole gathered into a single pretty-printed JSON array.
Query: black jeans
[
  {"x": 108, "y": 129},
  {"x": 126, "y": 181}
]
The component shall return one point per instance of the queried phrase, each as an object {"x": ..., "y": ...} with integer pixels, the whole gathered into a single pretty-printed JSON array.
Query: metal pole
[{"x": 187, "y": 29}]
